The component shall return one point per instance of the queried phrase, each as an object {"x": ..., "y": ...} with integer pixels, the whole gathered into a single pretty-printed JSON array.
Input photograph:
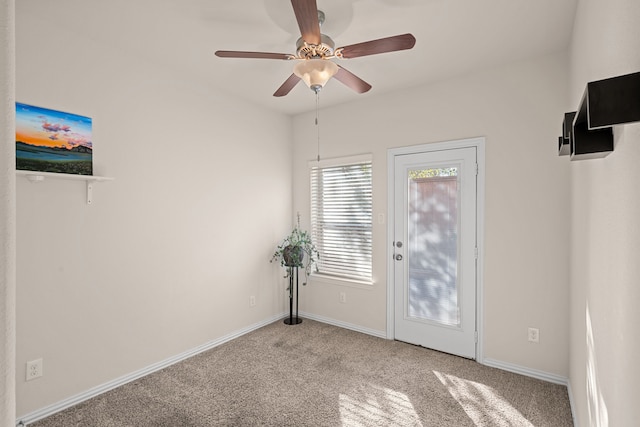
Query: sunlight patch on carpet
[
  {"x": 482, "y": 404},
  {"x": 377, "y": 406}
]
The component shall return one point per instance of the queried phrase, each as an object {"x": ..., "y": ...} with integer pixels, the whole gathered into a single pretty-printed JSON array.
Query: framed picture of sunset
[{"x": 53, "y": 141}]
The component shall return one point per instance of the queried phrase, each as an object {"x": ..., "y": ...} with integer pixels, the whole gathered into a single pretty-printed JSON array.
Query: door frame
[{"x": 479, "y": 144}]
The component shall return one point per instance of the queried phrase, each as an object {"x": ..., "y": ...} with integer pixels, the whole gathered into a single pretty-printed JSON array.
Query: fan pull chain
[{"x": 317, "y": 123}]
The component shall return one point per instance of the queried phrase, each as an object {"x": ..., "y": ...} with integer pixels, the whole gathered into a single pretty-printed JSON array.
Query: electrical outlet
[
  {"x": 534, "y": 335},
  {"x": 252, "y": 301},
  {"x": 343, "y": 297},
  {"x": 34, "y": 369}
]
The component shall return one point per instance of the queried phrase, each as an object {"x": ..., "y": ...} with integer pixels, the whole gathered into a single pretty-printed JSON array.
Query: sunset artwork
[{"x": 53, "y": 141}]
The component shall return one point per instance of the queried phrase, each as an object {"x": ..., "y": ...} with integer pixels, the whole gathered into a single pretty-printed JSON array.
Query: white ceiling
[{"x": 454, "y": 37}]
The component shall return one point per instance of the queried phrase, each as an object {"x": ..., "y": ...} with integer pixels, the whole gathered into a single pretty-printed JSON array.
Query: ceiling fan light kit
[
  {"x": 315, "y": 51},
  {"x": 315, "y": 72}
]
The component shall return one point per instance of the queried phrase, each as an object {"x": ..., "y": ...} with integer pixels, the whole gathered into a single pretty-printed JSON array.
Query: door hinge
[
  {"x": 476, "y": 336},
  {"x": 477, "y": 169},
  {"x": 476, "y": 252}
]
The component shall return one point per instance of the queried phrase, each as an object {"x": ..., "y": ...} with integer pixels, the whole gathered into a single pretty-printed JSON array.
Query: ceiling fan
[{"x": 315, "y": 51}]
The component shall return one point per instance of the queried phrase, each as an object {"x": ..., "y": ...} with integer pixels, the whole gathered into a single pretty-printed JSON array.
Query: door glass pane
[{"x": 433, "y": 245}]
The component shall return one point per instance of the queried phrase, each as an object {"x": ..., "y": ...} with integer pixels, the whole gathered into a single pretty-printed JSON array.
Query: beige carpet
[{"x": 313, "y": 374}]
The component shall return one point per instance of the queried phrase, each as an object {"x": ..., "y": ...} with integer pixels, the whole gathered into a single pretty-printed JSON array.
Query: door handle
[{"x": 398, "y": 257}]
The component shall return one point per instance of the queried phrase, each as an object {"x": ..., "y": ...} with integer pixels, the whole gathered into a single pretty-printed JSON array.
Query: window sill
[{"x": 341, "y": 281}]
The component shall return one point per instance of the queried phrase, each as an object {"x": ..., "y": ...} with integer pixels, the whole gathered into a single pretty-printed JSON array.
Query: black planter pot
[{"x": 293, "y": 256}]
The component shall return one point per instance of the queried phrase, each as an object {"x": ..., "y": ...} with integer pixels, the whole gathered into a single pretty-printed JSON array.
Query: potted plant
[{"x": 296, "y": 250}]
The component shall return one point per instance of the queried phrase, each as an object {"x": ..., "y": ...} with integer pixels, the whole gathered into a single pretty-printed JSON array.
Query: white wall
[
  {"x": 7, "y": 215},
  {"x": 518, "y": 108},
  {"x": 168, "y": 254},
  {"x": 160, "y": 263},
  {"x": 605, "y": 243}
]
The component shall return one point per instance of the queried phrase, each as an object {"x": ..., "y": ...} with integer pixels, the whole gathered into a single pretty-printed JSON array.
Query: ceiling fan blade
[
  {"x": 286, "y": 87},
  {"x": 373, "y": 47},
  {"x": 307, "y": 16},
  {"x": 254, "y": 55},
  {"x": 351, "y": 80}
]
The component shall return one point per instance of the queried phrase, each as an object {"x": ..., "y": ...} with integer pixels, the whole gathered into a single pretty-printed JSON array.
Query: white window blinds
[{"x": 341, "y": 217}]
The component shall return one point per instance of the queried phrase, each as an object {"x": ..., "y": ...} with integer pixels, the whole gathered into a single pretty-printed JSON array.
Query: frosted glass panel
[{"x": 433, "y": 245}]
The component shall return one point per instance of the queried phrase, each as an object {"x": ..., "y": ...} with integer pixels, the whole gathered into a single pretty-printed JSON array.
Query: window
[{"x": 341, "y": 216}]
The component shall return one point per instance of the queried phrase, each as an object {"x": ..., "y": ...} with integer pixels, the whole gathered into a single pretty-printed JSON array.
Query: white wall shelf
[{"x": 35, "y": 177}]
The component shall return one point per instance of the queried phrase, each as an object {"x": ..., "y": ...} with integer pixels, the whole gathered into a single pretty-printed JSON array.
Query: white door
[{"x": 435, "y": 250}]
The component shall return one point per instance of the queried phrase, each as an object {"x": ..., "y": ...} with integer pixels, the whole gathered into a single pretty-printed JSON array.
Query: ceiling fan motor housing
[{"x": 308, "y": 51}]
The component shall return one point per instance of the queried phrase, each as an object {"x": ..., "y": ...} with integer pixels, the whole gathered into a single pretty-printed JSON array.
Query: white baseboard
[
  {"x": 95, "y": 391},
  {"x": 572, "y": 403},
  {"x": 541, "y": 375},
  {"x": 529, "y": 372},
  {"x": 345, "y": 325},
  {"x": 505, "y": 366}
]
